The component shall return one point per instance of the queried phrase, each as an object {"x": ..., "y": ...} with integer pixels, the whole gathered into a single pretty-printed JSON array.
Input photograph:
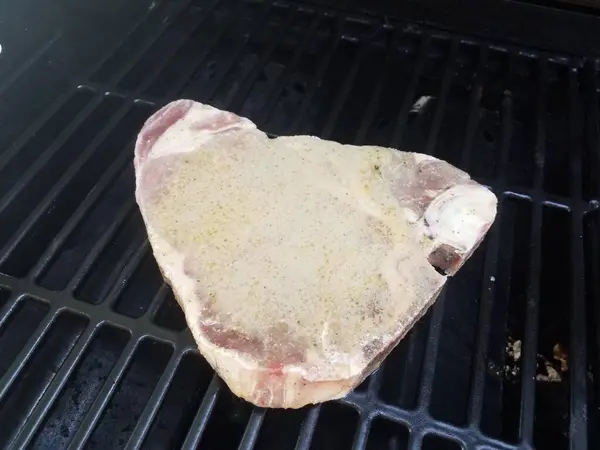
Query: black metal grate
[
  {"x": 94, "y": 351},
  {"x": 580, "y": 6}
]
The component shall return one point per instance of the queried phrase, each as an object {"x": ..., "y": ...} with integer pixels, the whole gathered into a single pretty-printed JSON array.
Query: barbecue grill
[{"x": 94, "y": 351}]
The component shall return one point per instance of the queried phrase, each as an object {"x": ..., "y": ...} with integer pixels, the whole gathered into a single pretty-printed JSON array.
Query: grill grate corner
[{"x": 100, "y": 355}]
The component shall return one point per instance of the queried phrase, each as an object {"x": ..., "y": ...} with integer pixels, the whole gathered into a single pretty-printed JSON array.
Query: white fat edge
[
  {"x": 420, "y": 157},
  {"x": 181, "y": 137},
  {"x": 461, "y": 227}
]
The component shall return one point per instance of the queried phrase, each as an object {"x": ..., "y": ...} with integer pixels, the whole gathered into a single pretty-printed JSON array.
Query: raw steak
[{"x": 299, "y": 263}]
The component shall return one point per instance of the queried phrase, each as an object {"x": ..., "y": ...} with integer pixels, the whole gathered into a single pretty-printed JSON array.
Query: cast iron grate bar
[
  {"x": 93, "y": 416},
  {"x": 154, "y": 402},
  {"x": 530, "y": 194},
  {"x": 96, "y": 194},
  {"x": 80, "y": 213},
  {"x": 181, "y": 32},
  {"x": 578, "y": 351},
  {"x": 125, "y": 264},
  {"x": 273, "y": 96},
  {"x": 419, "y": 420},
  {"x": 324, "y": 62},
  {"x": 593, "y": 297},
  {"x": 137, "y": 27},
  {"x": 130, "y": 267},
  {"x": 409, "y": 98},
  {"x": 193, "y": 65},
  {"x": 65, "y": 233},
  {"x": 344, "y": 91},
  {"x": 48, "y": 153},
  {"x": 10, "y": 304},
  {"x": 82, "y": 159},
  {"x": 369, "y": 114},
  {"x": 484, "y": 325},
  {"x": 415, "y": 440},
  {"x": 154, "y": 74},
  {"x": 156, "y": 302},
  {"x": 100, "y": 246},
  {"x": 593, "y": 128},
  {"x": 530, "y": 341},
  {"x": 35, "y": 126},
  {"x": 431, "y": 350},
  {"x": 474, "y": 108},
  {"x": 134, "y": 58},
  {"x": 362, "y": 431},
  {"x": 374, "y": 384},
  {"x": 23, "y": 288},
  {"x": 208, "y": 403},
  {"x": 30, "y": 62},
  {"x": 308, "y": 428},
  {"x": 355, "y": 400},
  {"x": 491, "y": 261},
  {"x": 441, "y": 104},
  {"x": 209, "y": 92},
  {"x": 26, "y": 353},
  {"x": 246, "y": 84},
  {"x": 252, "y": 429},
  {"x": 235, "y": 100},
  {"x": 55, "y": 387},
  {"x": 411, "y": 360}
]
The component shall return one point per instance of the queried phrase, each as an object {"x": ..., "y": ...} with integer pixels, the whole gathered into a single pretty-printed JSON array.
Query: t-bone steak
[{"x": 299, "y": 263}]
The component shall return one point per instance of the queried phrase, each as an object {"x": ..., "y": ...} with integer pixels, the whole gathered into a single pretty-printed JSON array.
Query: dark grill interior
[{"x": 94, "y": 351}]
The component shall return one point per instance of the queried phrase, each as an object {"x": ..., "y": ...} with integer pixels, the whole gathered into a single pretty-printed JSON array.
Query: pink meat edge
[
  {"x": 273, "y": 381},
  {"x": 156, "y": 126}
]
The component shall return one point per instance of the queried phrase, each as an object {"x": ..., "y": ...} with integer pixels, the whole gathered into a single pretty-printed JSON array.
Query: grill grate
[{"x": 99, "y": 355}]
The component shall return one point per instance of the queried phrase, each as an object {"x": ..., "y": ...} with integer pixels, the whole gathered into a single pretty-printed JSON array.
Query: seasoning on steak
[{"x": 299, "y": 263}]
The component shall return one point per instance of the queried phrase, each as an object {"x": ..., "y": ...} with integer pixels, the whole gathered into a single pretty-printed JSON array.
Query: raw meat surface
[{"x": 299, "y": 263}]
